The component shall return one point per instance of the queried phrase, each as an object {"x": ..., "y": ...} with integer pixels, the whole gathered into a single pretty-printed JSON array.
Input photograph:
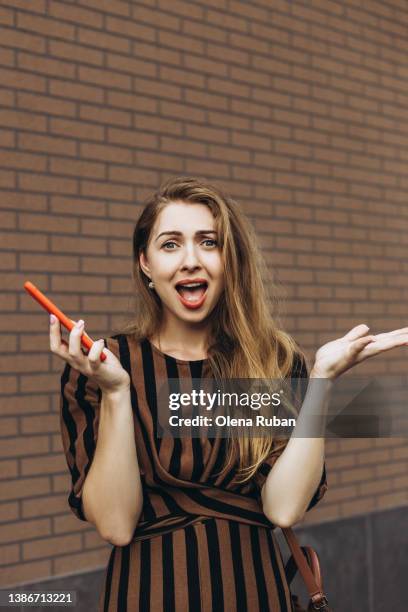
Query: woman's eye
[
  {"x": 213, "y": 242},
  {"x": 167, "y": 243}
]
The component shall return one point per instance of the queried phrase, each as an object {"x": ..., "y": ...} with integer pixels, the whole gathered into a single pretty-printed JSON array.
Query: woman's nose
[{"x": 190, "y": 257}]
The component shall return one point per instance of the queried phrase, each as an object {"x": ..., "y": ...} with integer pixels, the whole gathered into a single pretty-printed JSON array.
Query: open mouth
[{"x": 192, "y": 293}]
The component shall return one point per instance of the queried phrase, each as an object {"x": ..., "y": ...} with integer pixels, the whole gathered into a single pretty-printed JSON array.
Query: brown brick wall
[{"x": 295, "y": 108}]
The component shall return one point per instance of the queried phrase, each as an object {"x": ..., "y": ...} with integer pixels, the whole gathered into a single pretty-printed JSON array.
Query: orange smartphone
[{"x": 52, "y": 309}]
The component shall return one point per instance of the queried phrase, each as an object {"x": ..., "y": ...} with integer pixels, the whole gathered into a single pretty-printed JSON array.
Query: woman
[{"x": 191, "y": 519}]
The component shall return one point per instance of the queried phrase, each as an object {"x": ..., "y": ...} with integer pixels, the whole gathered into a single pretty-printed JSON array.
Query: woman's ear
[{"x": 143, "y": 264}]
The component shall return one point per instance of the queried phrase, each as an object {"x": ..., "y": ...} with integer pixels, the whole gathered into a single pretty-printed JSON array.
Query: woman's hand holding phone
[
  {"x": 99, "y": 363},
  {"x": 109, "y": 374}
]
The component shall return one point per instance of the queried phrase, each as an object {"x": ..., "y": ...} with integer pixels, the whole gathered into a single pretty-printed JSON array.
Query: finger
[
  {"x": 391, "y": 342},
  {"x": 74, "y": 345},
  {"x": 357, "y": 332},
  {"x": 94, "y": 354},
  {"x": 395, "y": 332},
  {"x": 359, "y": 344},
  {"x": 56, "y": 344},
  {"x": 381, "y": 346}
]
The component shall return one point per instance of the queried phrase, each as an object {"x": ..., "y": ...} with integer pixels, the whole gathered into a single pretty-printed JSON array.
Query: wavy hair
[{"x": 245, "y": 339}]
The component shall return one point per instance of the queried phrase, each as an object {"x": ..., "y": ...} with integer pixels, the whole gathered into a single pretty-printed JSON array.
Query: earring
[{"x": 151, "y": 284}]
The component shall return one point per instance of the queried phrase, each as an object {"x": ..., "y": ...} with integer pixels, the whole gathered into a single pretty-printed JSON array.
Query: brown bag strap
[{"x": 313, "y": 582}]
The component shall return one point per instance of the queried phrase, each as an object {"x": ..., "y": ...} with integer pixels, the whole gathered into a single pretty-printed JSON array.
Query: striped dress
[{"x": 202, "y": 542}]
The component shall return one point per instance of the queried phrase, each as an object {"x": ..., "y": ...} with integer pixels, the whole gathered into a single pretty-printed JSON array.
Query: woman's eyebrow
[{"x": 177, "y": 233}]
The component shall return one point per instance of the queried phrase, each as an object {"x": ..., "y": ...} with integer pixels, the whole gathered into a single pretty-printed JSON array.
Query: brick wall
[{"x": 297, "y": 109}]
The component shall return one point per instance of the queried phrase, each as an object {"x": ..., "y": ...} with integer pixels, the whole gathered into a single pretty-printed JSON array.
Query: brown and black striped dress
[{"x": 202, "y": 543}]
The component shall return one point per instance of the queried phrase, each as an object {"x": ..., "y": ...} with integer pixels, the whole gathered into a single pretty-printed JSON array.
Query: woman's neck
[{"x": 187, "y": 342}]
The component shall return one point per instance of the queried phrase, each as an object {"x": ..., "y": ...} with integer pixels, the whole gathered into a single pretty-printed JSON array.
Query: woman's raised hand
[
  {"x": 109, "y": 374},
  {"x": 338, "y": 356}
]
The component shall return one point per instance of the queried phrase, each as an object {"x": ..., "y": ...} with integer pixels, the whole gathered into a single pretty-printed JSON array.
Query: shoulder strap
[{"x": 313, "y": 581}]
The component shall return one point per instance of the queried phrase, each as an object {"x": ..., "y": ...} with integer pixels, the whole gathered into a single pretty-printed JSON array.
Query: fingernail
[
  {"x": 52, "y": 318},
  {"x": 80, "y": 323}
]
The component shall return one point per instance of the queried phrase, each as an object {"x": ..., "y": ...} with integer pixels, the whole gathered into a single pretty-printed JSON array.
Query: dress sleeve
[
  {"x": 80, "y": 401},
  {"x": 299, "y": 371}
]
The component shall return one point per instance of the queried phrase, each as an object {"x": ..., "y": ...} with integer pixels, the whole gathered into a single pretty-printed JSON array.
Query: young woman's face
[{"x": 183, "y": 246}]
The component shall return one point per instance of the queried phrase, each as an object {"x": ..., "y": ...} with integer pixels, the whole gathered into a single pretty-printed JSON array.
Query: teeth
[{"x": 192, "y": 285}]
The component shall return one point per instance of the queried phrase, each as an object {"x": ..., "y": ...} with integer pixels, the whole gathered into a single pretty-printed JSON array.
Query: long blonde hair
[{"x": 245, "y": 339}]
